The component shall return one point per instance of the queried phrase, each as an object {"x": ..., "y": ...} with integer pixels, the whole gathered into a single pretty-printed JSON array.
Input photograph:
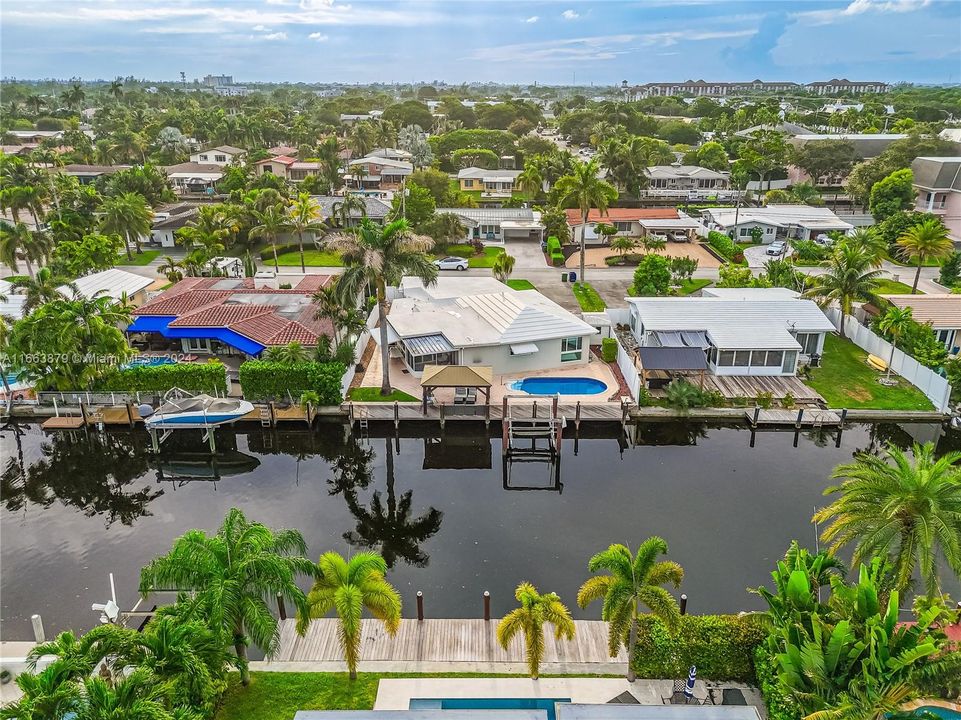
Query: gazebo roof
[
  {"x": 457, "y": 376},
  {"x": 672, "y": 358}
]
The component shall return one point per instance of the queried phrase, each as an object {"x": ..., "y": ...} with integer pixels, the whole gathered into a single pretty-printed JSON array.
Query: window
[
  {"x": 768, "y": 231},
  {"x": 196, "y": 345},
  {"x": 742, "y": 358},
  {"x": 725, "y": 358},
  {"x": 944, "y": 337},
  {"x": 623, "y": 226},
  {"x": 269, "y": 169},
  {"x": 203, "y": 157},
  {"x": 220, "y": 158},
  {"x": 743, "y": 232},
  {"x": 808, "y": 342},
  {"x": 772, "y": 358},
  {"x": 468, "y": 183},
  {"x": 790, "y": 361},
  {"x": 571, "y": 349},
  {"x": 489, "y": 229}
]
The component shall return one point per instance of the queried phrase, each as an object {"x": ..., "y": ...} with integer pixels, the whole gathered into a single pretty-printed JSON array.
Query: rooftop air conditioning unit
[{"x": 265, "y": 279}]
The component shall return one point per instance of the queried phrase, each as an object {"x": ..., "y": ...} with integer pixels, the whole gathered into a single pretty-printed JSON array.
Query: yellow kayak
[{"x": 877, "y": 363}]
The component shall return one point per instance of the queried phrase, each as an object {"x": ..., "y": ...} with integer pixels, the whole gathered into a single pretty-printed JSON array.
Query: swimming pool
[
  {"x": 546, "y": 704},
  {"x": 943, "y": 712},
  {"x": 559, "y": 386},
  {"x": 150, "y": 361}
]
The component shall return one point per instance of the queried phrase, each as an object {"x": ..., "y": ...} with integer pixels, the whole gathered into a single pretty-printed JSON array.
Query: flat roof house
[
  {"x": 499, "y": 224},
  {"x": 757, "y": 333},
  {"x": 492, "y": 184},
  {"x": 113, "y": 283},
  {"x": 220, "y": 155},
  {"x": 480, "y": 321},
  {"x": 634, "y": 222},
  {"x": 87, "y": 174},
  {"x": 194, "y": 178},
  {"x": 937, "y": 181},
  {"x": 942, "y": 312},
  {"x": 779, "y": 222}
]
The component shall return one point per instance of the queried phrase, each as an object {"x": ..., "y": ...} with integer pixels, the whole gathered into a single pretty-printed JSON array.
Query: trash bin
[
  {"x": 563, "y": 277},
  {"x": 573, "y": 277}
]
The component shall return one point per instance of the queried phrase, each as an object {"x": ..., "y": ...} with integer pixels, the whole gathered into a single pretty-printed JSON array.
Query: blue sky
[{"x": 600, "y": 42}]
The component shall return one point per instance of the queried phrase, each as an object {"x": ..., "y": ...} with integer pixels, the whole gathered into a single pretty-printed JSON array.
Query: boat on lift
[{"x": 183, "y": 410}]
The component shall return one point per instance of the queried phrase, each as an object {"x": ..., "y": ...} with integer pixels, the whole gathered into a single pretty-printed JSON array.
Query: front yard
[
  {"x": 893, "y": 287},
  {"x": 144, "y": 258},
  {"x": 689, "y": 287},
  {"x": 845, "y": 380},
  {"x": 480, "y": 260},
  {"x": 312, "y": 258},
  {"x": 588, "y": 298}
]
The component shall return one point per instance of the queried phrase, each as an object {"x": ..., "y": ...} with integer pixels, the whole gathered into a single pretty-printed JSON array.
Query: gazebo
[{"x": 480, "y": 377}]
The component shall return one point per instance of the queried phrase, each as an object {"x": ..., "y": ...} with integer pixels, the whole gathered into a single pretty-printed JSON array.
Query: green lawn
[
  {"x": 893, "y": 287},
  {"x": 900, "y": 261},
  {"x": 845, "y": 380},
  {"x": 372, "y": 394},
  {"x": 312, "y": 258},
  {"x": 689, "y": 287},
  {"x": 587, "y": 297},
  {"x": 144, "y": 258},
  {"x": 521, "y": 284},
  {"x": 486, "y": 259}
]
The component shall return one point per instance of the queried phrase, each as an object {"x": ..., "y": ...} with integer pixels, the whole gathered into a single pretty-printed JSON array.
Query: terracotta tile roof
[
  {"x": 219, "y": 315},
  {"x": 621, "y": 215},
  {"x": 262, "y": 327},
  {"x": 312, "y": 283},
  {"x": 282, "y": 159},
  {"x": 182, "y": 302}
]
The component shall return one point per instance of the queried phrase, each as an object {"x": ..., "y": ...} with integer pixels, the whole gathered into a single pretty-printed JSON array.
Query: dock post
[
  {"x": 487, "y": 606},
  {"x": 130, "y": 413},
  {"x": 211, "y": 440},
  {"x": 396, "y": 415},
  {"x": 554, "y": 408},
  {"x": 505, "y": 426},
  {"x": 683, "y": 604},
  {"x": 577, "y": 416},
  {"x": 487, "y": 414},
  {"x": 800, "y": 414},
  {"x": 37, "y": 623},
  {"x": 281, "y": 608},
  {"x": 844, "y": 415},
  {"x": 83, "y": 413},
  {"x": 56, "y": 410},
  {"x": 757, "y": 414},
  {"x": 154, "y": 442},
  {"x": 420, "y": 606},
  {"x": 442, "y": 419},
  {"x": 273, "y": 417}
]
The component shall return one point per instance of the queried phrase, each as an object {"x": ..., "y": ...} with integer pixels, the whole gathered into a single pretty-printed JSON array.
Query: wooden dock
[
  {"x": 440, "y": 641},
  {"x": 750, "y": 386},
  {"x": 63, "y": 422},
  {"x": 757, "y": 417},
  {"x": 604, "y": 412}
]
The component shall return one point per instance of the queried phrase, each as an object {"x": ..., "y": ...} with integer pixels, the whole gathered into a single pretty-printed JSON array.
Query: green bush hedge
[
  {"x": 780, "y": 705},
  {"x": 609, "y": 349},
  {"x": 268, "y": 253},
  {"x": 208, "y": 378},
  {"x": 722, "y": 647},
  {"x": 265, "y": 380},
  {"x": 557, "y": 258},
  {"x": 722, "y": 244},
  {"x": 553, "y": 245}
]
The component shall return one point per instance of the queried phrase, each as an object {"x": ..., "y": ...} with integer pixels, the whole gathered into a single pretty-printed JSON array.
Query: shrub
[
  {"x": 557, "y": 258},
  {"x": 263, "y": 380},
  {"x": 951, "y": 270},
  {"x": 788, "y": 401},
  {"x": 208, "y": 378},
  {"x": 609, "y": 350},
  {"x": 722, "y": 244},
  {"x": 765, "y": 399},
  {"x": 780, "y": 704},
  {"x": 684, "y": 395},
  {"x": 553, "y": 245},
  {"x": 808, "y": 251},
  {"x": 652, "y": 276},
  {"x": 722, "y": 647},
  {"x": 738, "y": 257}
]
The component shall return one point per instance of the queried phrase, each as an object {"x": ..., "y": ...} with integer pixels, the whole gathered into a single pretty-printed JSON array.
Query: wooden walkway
[
  {"x": 743, "y": 386},
  {"x": 808, "y": 418},
  {"x": 611, "y": 412},
  {"x": 440, "y": 641}
]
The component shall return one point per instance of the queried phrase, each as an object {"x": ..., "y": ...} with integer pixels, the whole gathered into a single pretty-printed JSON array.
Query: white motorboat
[{"x": 196, "y": 411}]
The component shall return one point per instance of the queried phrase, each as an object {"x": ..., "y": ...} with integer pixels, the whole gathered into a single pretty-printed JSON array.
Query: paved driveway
[
  {"x": 756, "y": 255},
  {"x": 527, "y": 254},
  {"x": 594, "y": 257}
]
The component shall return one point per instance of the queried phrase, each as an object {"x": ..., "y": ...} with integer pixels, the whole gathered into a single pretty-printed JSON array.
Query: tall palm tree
[
  {"x": 272, "y": 222},
  {"x": 49, "y": 695},
  {"x": 347, "y": 587},
  {"x": 848, "y": 279},
  {"x": 15, "y": 240},
  {"x": 895, "y": 322},
  {"x": 529, "y": 619},
  {"x": 41, "y": 289},
  {"x": 632, "y": 581},
  {"x": 235, "y": 572},
  {"x": 304, "y": 218},
  {"x": 381, "y": 256},
  {"x": 927, "y": 240},
  {"x": 531, "y": 181},
  {"x": 129, "y": 216},
  {"x": 343, "y": 208},
  {"x": 871, "y": 242},
  {"x": 171, "y": 269},
  {"x": 584, "y": 190},
  {"x": 892, "y": 506}
]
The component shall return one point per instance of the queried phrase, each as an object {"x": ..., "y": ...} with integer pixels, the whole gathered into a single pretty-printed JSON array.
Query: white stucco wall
[{"x": 547, "y": 357}]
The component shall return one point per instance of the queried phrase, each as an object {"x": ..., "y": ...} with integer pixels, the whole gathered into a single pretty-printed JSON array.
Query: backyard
[
  {"x": 312, "y": 258},
  {"x": 845, "y": 380}
]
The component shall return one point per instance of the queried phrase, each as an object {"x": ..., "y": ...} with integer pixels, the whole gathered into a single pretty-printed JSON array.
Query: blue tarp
[
  {"x": 151, "y": 323},
  {"x": 159, "y": 324}
]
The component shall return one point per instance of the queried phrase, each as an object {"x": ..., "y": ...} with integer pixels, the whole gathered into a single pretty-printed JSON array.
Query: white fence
[
  {"x": 359, "y": 348},
  {"x": 631, "y": 376},
  {"x": 936, "y": 388}
]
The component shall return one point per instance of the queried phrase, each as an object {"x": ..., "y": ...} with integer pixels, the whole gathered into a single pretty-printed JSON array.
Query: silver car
[{"x": 452, "y": 262}]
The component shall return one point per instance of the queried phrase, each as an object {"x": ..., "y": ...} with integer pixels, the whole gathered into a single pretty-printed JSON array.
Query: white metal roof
[
  {"x": 385, "y": 162},
  {"x": 750, "y": 293},
  {"x": 492, "y": 215},
  {"x": 492, "y": 175},
  {"x": 12, "y": 306},
  {"x": 779, "y": 216},
  {"x": 111, "y": 283},
  {"x": 735, "y": 324}
]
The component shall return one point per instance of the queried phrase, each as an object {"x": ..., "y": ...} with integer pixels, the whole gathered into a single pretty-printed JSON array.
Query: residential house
[
  {"x": 329, "y": 205},
  {"x": 778, "y": 222},
  {"x": 220, "y": 155},
  {"x": 167, "y": 220},
  {"x": 866, "y": 147},
  {"x": 232, "y": 91},
  {"x": 11, "y": 301},
  {"x": 377, "y": 173},
  {"x": 492, "y": 184},
  {"x": 34, "y": 136},
  {"x": 479, "y": 321},
  {"x": 390, "y": 154},
  {"x": 114, "y": 283},
  {"x": 634, "y": 222},
  {"x": 282, "y": 150},
  {"x": 941, "y": 311},
  {"x": 192, "y": 178},
  {"x": 937, "y": 181},
  {"x": 231, "y": 316},
  {"x": 499, "y": 224},
  {"x": 287, "y": 167},
  {"x": 687, "y": 182},
  {"x": 757, "y": 333},
  {"x": 88, "y": 174}
]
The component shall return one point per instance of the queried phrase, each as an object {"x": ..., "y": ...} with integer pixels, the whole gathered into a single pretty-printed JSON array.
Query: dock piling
[
  {"x": 37, "y": 623},
  {"x": 396, "y": 415},
  {"x": 800, "y": 414},
  {"x": 487, "y": 606},
  {"x": 757, "y": 414},
  {"x": 420, "y": 606},
  {"x": 683, "y": 604},
  {"x": 281, "y": 607}
]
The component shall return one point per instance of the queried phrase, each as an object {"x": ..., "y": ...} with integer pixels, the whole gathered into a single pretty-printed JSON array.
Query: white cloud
[
  {"x": 860, "y": 7},
  {"x": 532, "y": 19},
  {"x": 569, "y": 15},
  {"x": 319, "y": 37},
  {"x": 276, "y": 36},
  {"x": 261, "y": 28}
]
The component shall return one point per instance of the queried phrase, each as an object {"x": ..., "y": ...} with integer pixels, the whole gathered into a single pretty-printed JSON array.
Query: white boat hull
[{"x": 197, "y": 419}]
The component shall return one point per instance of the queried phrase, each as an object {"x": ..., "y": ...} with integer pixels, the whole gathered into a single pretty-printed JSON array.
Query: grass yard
[
  {"x": 486, "y": 259},
  {"x": 521, "y": 284},
  {"x": 312, "y": 258},
  {"x": 893, "y": 287},
  {"x": 689, "y": 287},
  {"x": 588, "y": 298},
  {"x": 903, "y": 263},
  {"x": 372, "y": 394},
  {"x": 144, "y": 258},
  {"x": 845, "y": 380}
]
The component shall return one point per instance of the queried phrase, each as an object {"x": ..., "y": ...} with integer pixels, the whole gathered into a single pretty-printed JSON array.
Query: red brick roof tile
[{"x": 621, "y": 215}]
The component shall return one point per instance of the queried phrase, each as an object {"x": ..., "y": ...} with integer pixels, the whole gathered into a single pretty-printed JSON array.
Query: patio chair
[
  {"x": 471, "y": 396},
  {"x": 460, "y": 395}
]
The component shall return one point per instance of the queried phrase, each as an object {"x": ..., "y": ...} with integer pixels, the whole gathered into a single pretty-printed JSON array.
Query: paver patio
[{"x": 594, "y": 257}]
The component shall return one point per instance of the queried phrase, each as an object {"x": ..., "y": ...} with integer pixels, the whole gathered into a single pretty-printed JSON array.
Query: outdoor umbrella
[{"x": 691, "y": 677}]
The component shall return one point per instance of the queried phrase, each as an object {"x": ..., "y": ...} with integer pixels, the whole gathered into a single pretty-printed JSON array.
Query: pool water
[
  {"x": 559, "y": 386},
  {"x": 943, "y": 712},
  {"x": 152, "y": 361},
  {"x": 546, "y": 704}
]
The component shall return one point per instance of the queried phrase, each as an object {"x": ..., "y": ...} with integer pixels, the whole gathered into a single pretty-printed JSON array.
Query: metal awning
[
  {"x": 392, "y": 336},
  {"x": 696, "y": 339},
  {"x": 428, "y": 345},
  {"x": 671, "y": 358},
  {"x": 524, "y": 349},
  {"x": 668, "y": 339}
]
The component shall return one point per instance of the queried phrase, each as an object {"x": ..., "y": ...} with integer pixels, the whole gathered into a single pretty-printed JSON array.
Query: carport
[
  {"x": 665, "y": 363},
  {"x": 522, "y": 230},
  {"x": 669, "y": 226}
]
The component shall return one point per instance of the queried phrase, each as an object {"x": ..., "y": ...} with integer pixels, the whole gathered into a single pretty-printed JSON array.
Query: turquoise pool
[
  {"x": 943, "y": 712},
  {"x": 559, "y": 386},
  {"x": 546, "y": 704},
  {"x": 150, "y": 361}
]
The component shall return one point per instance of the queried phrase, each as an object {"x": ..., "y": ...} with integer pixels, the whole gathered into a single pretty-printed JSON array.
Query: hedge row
[
  {"x": 210, "y": 378},
  {"x": 266, "y": 380},
  {"x": 780, "y": 705},
  {"x": 722, "y": 647},
  {"x": 268, "y": 252},
  {"x": 725, "y": 247}
]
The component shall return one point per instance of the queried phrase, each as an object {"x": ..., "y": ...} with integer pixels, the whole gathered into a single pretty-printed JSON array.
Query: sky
[{"x": 601, "y": 42}]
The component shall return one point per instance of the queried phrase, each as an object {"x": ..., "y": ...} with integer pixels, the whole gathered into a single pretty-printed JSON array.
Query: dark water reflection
[{"x": 440, "y": 510}]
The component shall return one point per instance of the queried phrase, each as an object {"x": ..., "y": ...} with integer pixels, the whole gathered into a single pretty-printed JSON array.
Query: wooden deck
[
  {"x": 440, "y": 641},
  {"x": 808, "y": 418},
  {"x": 63, "y": 422},
  {"x": 610, "y": 412},
  {"x": 742, "y": 386}
]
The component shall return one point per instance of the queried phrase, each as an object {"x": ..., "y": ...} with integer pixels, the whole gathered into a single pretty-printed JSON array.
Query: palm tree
[
  {"x": 926, "y": 241},
  {"x": 531, "y": 181},
  {"x": 529, "y": 619},
  {"x": 623, "y": 244},
  {"x": 633, "y": 581},
  {"x": 343, "y": 208},
  {"x": 272, "y": 222},
  {"x": 848, "y": 280},
  {"x": 16, "y": 239},
  {"x": 891, "y": 505},
  {"x": 347, "y": 587},
  {"x": 49, "y": 695},
  {"x": 291, "y": 353},
  {"x": 503, "y": 266},
  {"x": 116, "y": 89},
  {"x": 41, "y": 289},
  {"x": 235, "y": 572},
  {"x": 304, "y": 218},
  {"x": 129, "y": 216},
  {"x": 73, "y": 96},
  {"x": 171, "y": 269},
  {"x": 895, "y": 322},
  {"x": 584, "y": 190},
  {"x": 135, "y": 696},
  {"x": 381, "y": 256},
  {"x": 867, "y": 701},
  {"x": 871, "y": 242}
]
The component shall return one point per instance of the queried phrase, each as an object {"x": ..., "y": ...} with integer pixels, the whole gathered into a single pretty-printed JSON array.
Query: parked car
[
  {"x": 452, "y": 262},
  {"x": 778, "y": 247},
  {"x": 824, "y": 240},
  {"x": 679, "y": 237}
]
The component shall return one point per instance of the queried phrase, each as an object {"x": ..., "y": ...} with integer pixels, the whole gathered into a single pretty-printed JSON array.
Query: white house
[
  {"x": 480, "y": 321},
  {"x": 113, "y": 283},
  {"x": 754, "y": 332},
  {"x": 778, "y": 222},
  {"x": 220, "y": 155},
  {"x": 192, "y": 177},
  {"x": 11, "y": 302},
  {"x": 491, "y": 183},
  {"x": 942, "y": 312},
  {"x": 499, "y": 224}
]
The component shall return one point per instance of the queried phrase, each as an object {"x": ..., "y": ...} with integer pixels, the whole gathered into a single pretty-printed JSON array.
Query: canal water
[{"x": 451, "y": 520}]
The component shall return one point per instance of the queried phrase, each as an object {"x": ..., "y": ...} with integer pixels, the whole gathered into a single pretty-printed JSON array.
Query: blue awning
[
  {"x": 160, "y": 324},
  {"x": 151, "y": 323}
]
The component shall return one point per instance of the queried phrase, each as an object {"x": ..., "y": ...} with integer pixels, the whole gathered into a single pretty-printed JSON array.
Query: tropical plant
[
  {"x": 928, "y": 240},
  {"x": 623, "y": 244},
  {"x": 292, "y": 352},
  {"x": 129, "y": 216},
  {"x": 632, "y": 581},
  {"x": 41, "y": 289},
  {"x": 895, "y": 322},
  {"x": 304, "y": 218},
  {"x": 531, "y": 181},
  {"x": 347, "y": 587},
  {"x": 49, "y": 695},
  {"x": 171, "y": 269},
  {"x": 344, "y": 208},
  {"x": 234, "y": 573},
  {"x": 380, "y": 256},
  {"x": 134, "y": 696},
  {"x": 584, "y": 190},
  {"x": 891, "y": 505},
  {"x": 503, "y": 266},
  {"x": 529, "y": 619},
  {"x": 15, "y": 240},
  {"x": 847, "y": 280},
  {"x": 870, "y": 241},
  {"x": 272, "y": 221}
]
